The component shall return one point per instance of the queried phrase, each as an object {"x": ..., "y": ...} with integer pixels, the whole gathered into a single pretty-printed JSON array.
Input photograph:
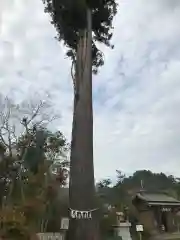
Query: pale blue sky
[{"x": 136, "y": 94}]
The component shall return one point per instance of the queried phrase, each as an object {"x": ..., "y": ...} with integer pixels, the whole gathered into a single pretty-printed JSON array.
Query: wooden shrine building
[{"x": 157, "y": 211}]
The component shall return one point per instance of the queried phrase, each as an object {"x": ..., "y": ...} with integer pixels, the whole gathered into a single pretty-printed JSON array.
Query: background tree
[
  {"x": 75, "y": 21},
  {"x": 120, "y": 194},
  {"x": 31, "y": 174},
  {"x": 34, "y": 111},
  {"x": 34, "y": 194},
  {"x": 105, "y": 183}
]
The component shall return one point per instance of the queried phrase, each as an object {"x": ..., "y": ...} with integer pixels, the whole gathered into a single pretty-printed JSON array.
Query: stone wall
[{"x": 51, "y": 236}]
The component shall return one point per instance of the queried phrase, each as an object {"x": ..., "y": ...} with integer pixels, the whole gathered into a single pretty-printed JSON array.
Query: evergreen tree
[{"x": 80, "y": 24}]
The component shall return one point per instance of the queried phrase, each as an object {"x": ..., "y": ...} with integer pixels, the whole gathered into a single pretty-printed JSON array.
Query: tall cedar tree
[{"x": 80, "y": 24}]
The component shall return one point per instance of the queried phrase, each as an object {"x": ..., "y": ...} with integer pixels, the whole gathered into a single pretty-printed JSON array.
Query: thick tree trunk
[{"x": 81, "y": 188}]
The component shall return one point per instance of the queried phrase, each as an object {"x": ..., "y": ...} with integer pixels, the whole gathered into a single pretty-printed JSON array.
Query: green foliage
[
  {"x": 33, "y": 203},
  {"x": 16, "y": 233},
  {"x": 120, "y": 194},
  {"x": 150, "y": 181},
  {"x": 35, "y": 152},
  {"x": 7, "y": 171},
  {"x": 69, "y": 18},
  {"x": 29, "y": 187},
  {"x": 106, "y": 224},
  {"x": 55, "y": 142},
  {"x": 105, "y": 183},
  {"x": 40, "y": 144}
]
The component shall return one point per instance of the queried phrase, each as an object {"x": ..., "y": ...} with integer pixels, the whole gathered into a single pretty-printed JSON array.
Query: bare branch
[{"x": 37, "y": 112}]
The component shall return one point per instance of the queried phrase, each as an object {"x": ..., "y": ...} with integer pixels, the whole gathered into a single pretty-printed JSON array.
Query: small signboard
[
  {"x": 65, "y": 223},
  {"x": 139, "y": 228},
  {"x": 166, "y": 209}
]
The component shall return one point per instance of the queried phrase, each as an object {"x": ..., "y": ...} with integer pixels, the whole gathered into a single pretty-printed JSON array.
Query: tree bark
[{"x": 81, "y": 187}]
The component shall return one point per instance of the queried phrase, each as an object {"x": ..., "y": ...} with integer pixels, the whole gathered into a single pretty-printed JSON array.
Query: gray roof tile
[{"x": 156, "y": 197}]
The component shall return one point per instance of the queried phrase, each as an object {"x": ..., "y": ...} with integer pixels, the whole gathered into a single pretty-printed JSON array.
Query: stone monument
[{"x": 122, "y": 227}]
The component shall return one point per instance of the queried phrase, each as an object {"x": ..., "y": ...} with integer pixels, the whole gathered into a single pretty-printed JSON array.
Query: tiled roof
[{"x": 157, "y": 198}]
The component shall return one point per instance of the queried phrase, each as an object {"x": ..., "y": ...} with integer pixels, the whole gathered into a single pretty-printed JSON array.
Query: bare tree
[{"x": 17, "y": 118}]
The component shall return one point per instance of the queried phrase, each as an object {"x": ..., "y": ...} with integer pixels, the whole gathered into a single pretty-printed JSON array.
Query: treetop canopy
[{"x": 69, "y": 18}]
